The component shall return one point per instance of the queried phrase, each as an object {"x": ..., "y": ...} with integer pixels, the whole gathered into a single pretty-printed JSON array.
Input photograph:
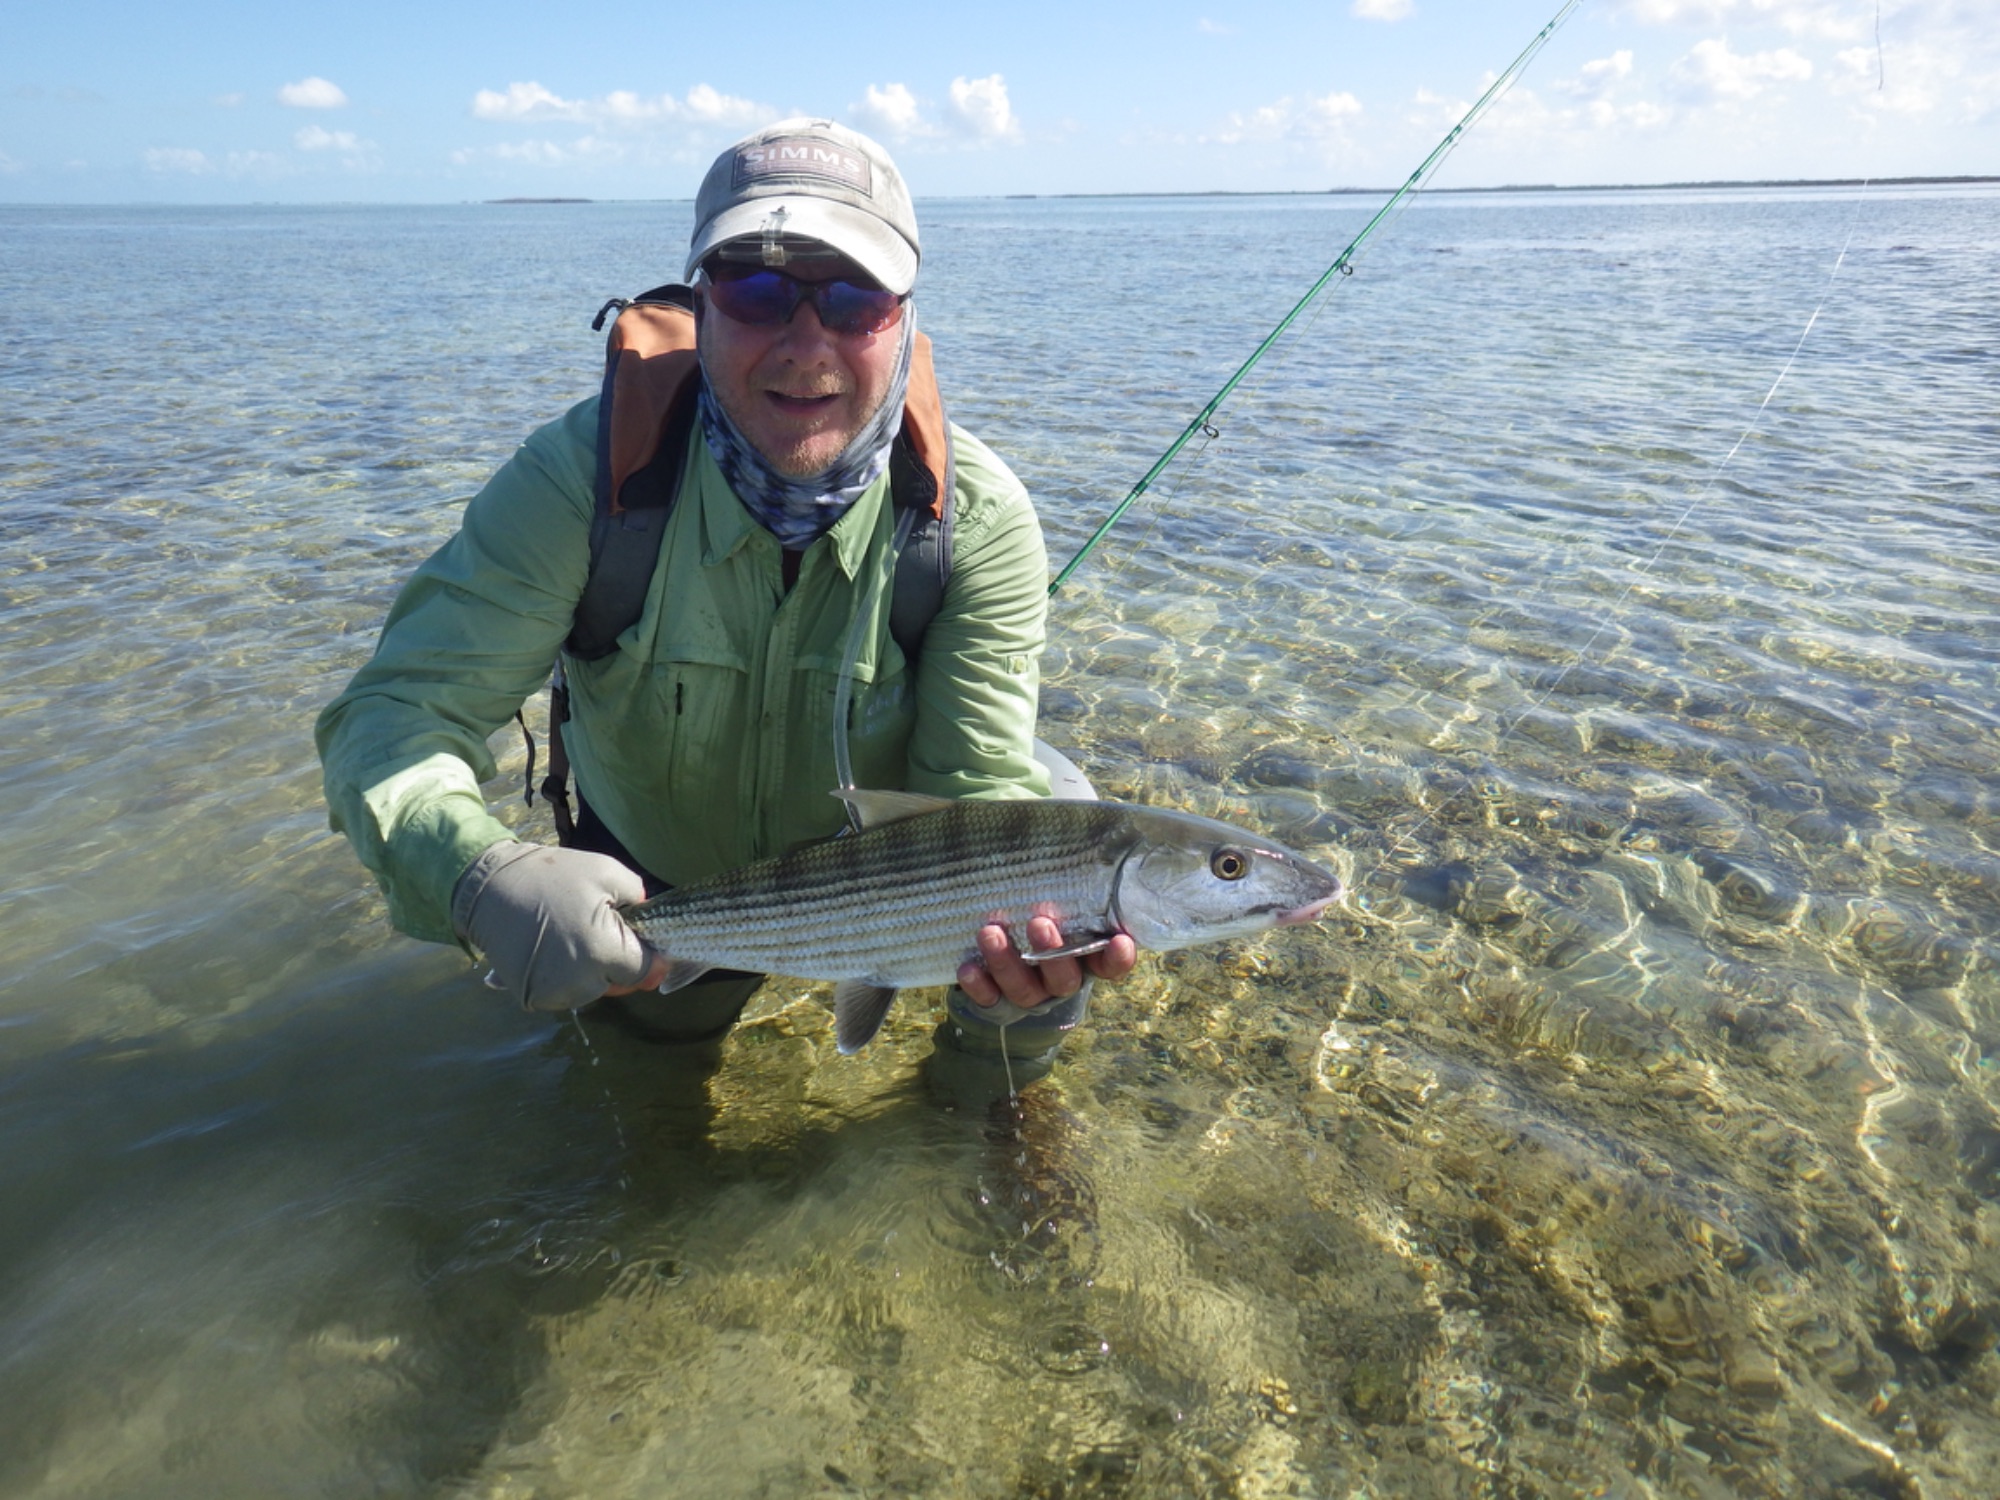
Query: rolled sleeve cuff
[{"x": 429, "y": 822}]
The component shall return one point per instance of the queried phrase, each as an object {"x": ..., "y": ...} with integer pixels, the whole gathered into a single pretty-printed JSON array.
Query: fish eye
[{"x": 1229, "y": 864}]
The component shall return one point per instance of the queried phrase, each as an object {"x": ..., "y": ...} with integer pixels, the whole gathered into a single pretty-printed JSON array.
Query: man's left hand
[{"x": 1000, "y": 973}]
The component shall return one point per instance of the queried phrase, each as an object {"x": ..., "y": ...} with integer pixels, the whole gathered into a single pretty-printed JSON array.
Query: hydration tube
[
  {"x": 1343, "y": 265},
  {"x": 843, "y": 693}
]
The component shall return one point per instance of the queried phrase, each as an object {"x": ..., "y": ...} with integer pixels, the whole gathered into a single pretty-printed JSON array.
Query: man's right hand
[{"x": 547, "y": 921}]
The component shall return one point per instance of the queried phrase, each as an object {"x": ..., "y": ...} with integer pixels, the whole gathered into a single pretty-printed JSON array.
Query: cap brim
[{"x": 861, "y": 237}]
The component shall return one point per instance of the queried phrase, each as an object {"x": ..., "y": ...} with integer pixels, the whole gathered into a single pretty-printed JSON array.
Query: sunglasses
[{"x": 765, "y": 298}]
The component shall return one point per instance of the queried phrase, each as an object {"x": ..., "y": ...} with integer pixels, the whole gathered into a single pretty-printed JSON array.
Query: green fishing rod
[{"x": 1343, "y": 265}]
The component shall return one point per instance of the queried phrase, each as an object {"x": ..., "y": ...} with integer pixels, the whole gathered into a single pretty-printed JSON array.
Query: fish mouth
[{"x": 1300, "y": 915}]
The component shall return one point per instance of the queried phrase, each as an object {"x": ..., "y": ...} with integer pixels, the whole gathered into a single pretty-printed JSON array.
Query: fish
[{"x": 899, "y": 904}]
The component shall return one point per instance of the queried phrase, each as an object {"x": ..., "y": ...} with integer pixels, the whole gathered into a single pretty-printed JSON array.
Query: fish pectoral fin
[
  {"x": 680, "y": 975},
  {"x": 858, "y": 1008},
  {"x": 1068, "y": 950},
  {"x": 874, "y": 808}
]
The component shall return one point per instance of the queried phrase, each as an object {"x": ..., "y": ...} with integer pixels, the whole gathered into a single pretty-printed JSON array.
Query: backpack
[{"x": 645, "y": 420}]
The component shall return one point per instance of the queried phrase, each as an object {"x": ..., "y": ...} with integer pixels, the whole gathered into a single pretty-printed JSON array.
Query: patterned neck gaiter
[{"x": 800, "y": 511}]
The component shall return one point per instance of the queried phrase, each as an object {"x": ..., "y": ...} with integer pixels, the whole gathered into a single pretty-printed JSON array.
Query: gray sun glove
[{"x": 547, "y": 921}]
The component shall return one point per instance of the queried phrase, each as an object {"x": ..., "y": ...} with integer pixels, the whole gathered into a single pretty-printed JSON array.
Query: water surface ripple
[{"x": 1632, "y": 1132}]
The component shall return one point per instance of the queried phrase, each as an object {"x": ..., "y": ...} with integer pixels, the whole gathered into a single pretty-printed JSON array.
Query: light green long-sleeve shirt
[{"x": 705, "y": 740}]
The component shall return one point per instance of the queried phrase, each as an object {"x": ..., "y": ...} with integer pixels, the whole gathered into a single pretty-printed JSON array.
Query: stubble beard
[{"x": 806, "y": 455}]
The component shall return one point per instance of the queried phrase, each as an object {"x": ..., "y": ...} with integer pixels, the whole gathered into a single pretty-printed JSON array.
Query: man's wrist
[{"x": 471, "y": 882}]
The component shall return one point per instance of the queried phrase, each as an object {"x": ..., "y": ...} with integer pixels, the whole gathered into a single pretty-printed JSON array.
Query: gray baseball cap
[{"x": 813, "y": 180}]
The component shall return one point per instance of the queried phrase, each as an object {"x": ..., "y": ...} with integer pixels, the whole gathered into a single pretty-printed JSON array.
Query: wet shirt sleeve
[
  {"x": 471, "y": 636},
  {"x": 980, "y": 670}
]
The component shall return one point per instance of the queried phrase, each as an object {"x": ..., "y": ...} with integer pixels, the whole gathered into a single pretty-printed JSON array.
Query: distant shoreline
[
  {"x": 1706, "y": 185},
  {"x": 1376, "y": 192},
  {"x": 1547, "y": 187}
]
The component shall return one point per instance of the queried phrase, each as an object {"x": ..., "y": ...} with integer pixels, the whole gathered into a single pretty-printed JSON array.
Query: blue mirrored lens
[{"x": 766, "y": 297}]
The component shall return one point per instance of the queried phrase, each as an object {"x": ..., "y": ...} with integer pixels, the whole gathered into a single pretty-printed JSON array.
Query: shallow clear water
[{"x": 1633, "y": 1132}]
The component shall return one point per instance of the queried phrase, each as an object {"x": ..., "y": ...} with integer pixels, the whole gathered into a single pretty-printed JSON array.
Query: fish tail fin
[{"x": 858, "y": 1008}]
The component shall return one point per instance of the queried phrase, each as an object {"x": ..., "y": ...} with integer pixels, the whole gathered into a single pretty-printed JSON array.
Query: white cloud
[
  {"x": 1856, "y": 68},
  {"x": 1266, "y": 122},
  {"x": 622, "y": 106},
  {"x": 312, "y": 93},
  {"x": 1382, "y": 10},
  {"x": 1213, "y": 28},
  {"x": 707, "y": 105},
  {"x": 1435, "y": 110},
  {"x": 1644, "y": 115},
  {"x": 1940, "y": 73},
  {"x": 1529, "y": 127},
  {"x": 532, "y": 153},
  {"x": 1326, "y": 111},
  {"x": 1316, "y": 120},
  {"x": 891, "y": 110},
  {"x": 980, "y": 111},
  {"x": 703, "y": 106},
  {"x": 178, "y": 159},
  {"x": 1605, "y": 69},
  {"x": 1678, "y": 12},
  {"x": 227, "y": 101},
  {"x": 982, "y": 108},
  {"x": 1712, "y": 72},
  {"x": 1838, "y": 20},
  {"x": 254, "y": 164},
  {"x": 318, "y": 138},
  {"x": 523, "y": 101},
  {"x": 188, "y": 162},
  {"x": 1664, "y": 12},
  {"x": 9, "y": 164},
  {"x": 1597, "y": 78},
  {"x": 589, "y": 150}
]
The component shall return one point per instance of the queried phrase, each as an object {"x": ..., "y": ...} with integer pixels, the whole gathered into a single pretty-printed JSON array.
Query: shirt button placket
[{"x": 773, "y": 720}]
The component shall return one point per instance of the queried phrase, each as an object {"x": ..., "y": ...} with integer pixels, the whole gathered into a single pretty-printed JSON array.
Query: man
[{"x": 706, "y": 739}]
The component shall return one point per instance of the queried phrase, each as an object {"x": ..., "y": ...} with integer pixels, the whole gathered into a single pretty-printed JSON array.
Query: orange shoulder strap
[{"x": 649, "y": 364}]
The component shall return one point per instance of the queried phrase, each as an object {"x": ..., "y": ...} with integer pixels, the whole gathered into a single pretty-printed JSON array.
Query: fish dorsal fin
[{"x": 876, "y": 808}]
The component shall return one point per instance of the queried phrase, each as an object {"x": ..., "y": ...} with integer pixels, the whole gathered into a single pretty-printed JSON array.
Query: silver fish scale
[{"x": 900, "y": 903}]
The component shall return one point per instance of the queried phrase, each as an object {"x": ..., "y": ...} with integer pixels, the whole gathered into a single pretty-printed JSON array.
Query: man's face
[{"x": 799, "y": 392}]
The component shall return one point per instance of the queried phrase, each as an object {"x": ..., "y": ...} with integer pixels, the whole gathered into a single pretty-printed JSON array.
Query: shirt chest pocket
[
  {"x": 670, "y": 712},
  {"x": 696, "y": 717},
  {"x": 693, "y": 667}
]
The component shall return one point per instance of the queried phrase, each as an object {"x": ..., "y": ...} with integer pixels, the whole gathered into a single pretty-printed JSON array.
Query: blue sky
[{"x": 220, "y": 101}]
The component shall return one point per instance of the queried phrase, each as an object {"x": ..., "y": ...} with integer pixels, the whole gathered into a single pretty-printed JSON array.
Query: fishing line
[
  {"x": 1647, "y": 564},
  {"x": 1716, "y": 470},
  {"x": 1343, "y": 265}
]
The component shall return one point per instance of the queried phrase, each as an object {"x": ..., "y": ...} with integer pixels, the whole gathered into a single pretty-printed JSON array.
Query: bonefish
[{"x": 900, "y": 903}]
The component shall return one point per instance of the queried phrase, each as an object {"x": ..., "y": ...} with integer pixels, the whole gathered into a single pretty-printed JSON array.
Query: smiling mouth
[{"x": 801, "y": 405}]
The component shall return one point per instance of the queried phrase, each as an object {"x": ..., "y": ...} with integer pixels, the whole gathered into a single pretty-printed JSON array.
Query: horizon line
[{"x": 523, "y": 200}]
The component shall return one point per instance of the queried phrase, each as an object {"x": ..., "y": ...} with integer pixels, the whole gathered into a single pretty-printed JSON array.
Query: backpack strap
[
  {"x": 922, "y": 478},
  {"x": 645, "y": 418}
]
